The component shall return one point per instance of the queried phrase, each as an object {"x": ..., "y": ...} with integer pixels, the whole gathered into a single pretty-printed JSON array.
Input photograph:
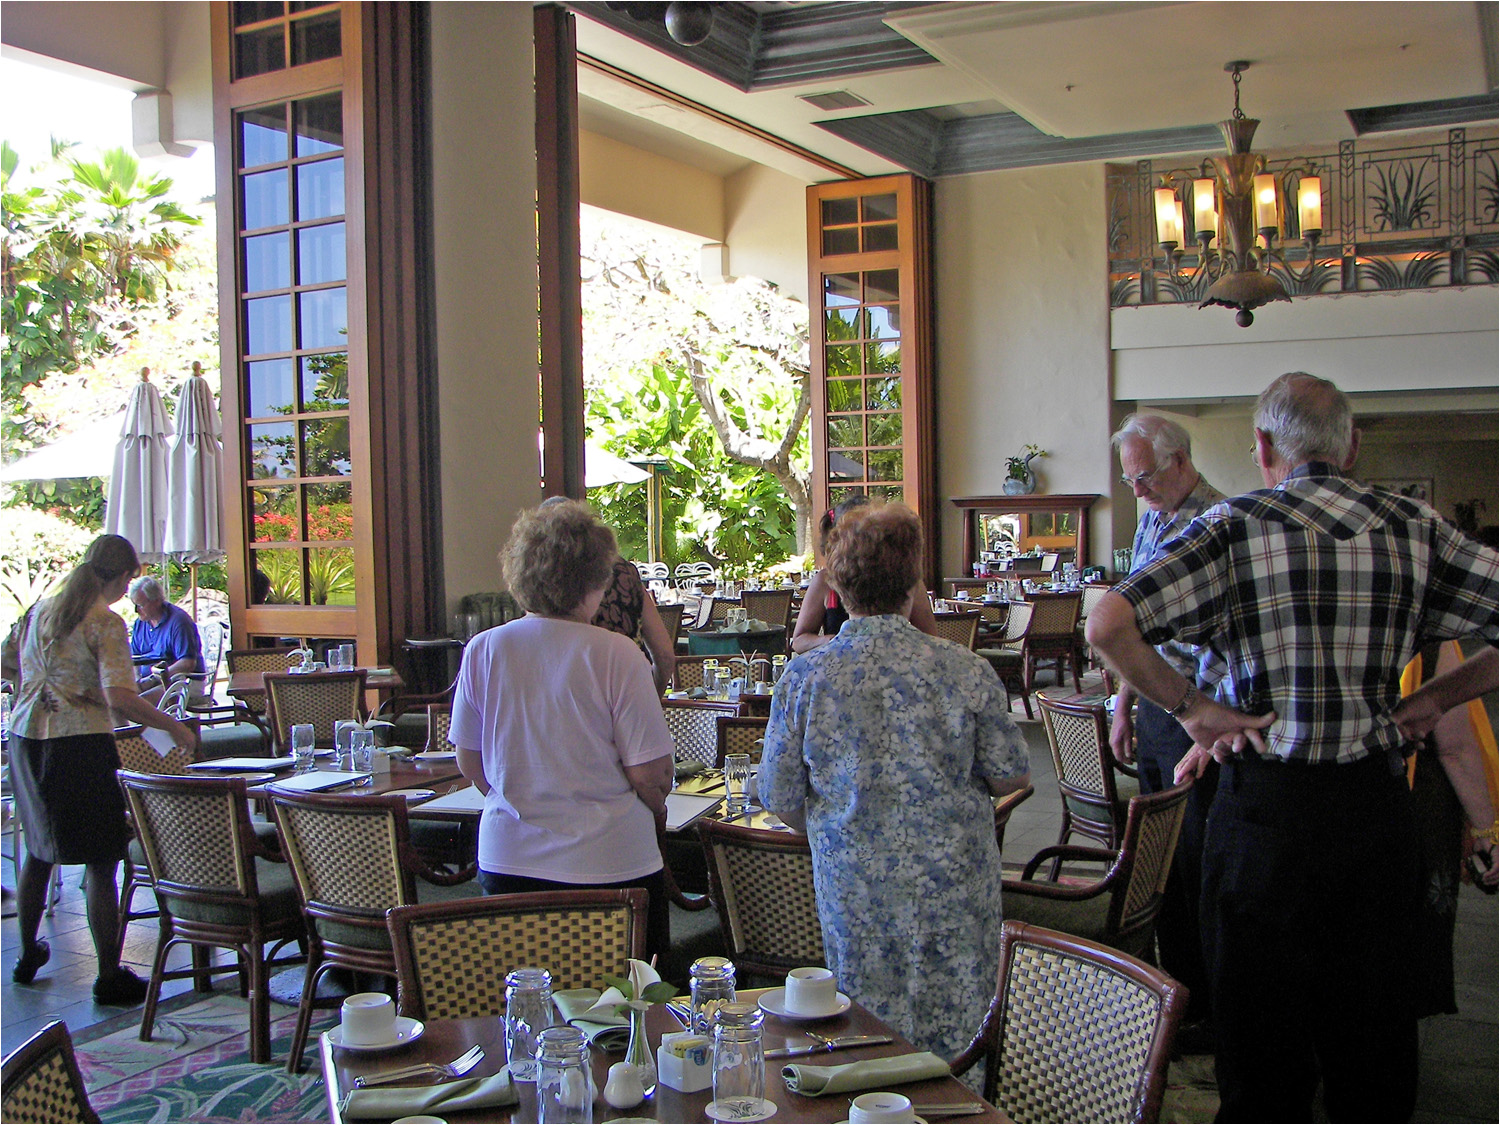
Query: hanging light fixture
[{"x": 1237, "y": 208}]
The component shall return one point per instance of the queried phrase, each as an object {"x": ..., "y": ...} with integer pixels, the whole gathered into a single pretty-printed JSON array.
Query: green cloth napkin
[
  {"x": 868, "y": 1074},
  {"x": 386, "y": 1103},
  {"x": 608, "y": 1033}
]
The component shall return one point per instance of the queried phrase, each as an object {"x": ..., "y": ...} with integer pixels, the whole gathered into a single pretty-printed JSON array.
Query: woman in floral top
[
  {"x": 77, "y": 681},
  {"x": 887, "y": 745}
]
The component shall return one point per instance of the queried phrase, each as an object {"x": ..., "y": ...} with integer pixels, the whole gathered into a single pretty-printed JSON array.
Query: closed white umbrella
[
  {"x": 137, "y": 505},
  {"x": 195, "y": 477}
]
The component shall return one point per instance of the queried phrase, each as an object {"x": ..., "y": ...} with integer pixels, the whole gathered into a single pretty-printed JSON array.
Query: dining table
[
  {"x": 249, "y": 686},
  {"x": 443, "y": 1040}
]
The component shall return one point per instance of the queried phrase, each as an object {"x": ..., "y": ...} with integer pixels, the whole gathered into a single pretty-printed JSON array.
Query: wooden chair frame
[
  {"x": 1008, "y": 656},
  {"x": 40, "y": 1076},
  {"x": 1087, "y": 778},
  {"x": 737, "y": 734},
  {"x": 281, "y": 685},
  {"x": 960, "y": 627}
]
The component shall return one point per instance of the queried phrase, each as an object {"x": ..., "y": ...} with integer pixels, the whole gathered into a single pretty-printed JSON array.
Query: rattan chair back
[
  {"x": 452, "y": 957},
  {"x": 960, "y": 628},
  {"x": 140, "y": 756},
  {"x": 259, "y": 659},
  {"x": 1076, "y": 1032},
  {"x": 1152, "y": 827},
  {"x": 196, "y": 834},
  {"x": 319, "y": 698},
  {"x": 439, "y": 720},
  {"x": 1078, "y": 737},
  {"x": 345, "y": 853},
  {"x": 41, "y": 1082},
  {"x": 1093, "y": 594},
  {"x": 718, "y": 612},
  {"x": 774, "y": 607},
  {"x": 762, "y": 884},
  {"x": 694, "y": 727},
  {"x": 671, "y": 618},
  {"x": 687, "y": 673},
  {"x": 740, "y": 735}
]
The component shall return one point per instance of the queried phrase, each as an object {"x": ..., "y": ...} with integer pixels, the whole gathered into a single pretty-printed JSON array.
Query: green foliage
[{"x": 36, "y": 550}]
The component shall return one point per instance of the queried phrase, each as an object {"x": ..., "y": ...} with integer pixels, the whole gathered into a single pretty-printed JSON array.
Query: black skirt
[{"x": 69, "y": 800}]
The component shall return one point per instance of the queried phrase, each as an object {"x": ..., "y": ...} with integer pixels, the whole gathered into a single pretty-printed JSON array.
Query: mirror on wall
[{"x": 999, "y": 529}]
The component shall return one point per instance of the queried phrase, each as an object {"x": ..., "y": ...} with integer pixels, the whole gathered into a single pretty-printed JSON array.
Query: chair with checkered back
[
  {"x": 1054, "y": 618},
  {"x": 739, "y": 735},
  {"x": 452, "y": 957},
  {"x": 688, "y": 673},
  {"x": 762, "y": 884},
  {"x": 1119, "y": 910},
  {"x": 1008, "y": 655},
  {"x": 319, "y": 698},
  {"x": 960, "y": 628},
  {"x": 718, "y": 613},
  {"x": 41, "y": 1082},
  {"x": 671, "y": 618},
  {"x": 216, "y": 886},
  {"x": 1076, "y": 1032},
  {"x": 694, "y": 727},
  {"x": 439, "y": 720},
  {"x": 1095, "y": 789},
  {"x": 353, "y": 860},
  {"x": 257, "y": 660},
  {"x": 774, "y": 607}
]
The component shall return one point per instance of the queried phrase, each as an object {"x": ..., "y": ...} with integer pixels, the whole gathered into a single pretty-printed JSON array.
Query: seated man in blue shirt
[{"x": 163, "y": 635}]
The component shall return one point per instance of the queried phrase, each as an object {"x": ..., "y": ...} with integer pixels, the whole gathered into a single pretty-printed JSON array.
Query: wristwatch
[{"x": 1184, "y": 703}]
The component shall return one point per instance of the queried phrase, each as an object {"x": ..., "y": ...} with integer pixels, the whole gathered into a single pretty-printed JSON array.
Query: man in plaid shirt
[{"x": 1317, "y": 591}]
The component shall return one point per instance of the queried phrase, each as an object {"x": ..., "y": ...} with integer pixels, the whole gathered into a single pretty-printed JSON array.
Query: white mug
[
  {"x": 868, "y": 1109},
  {"x": 369, "y": 1018},
  {"x": 811, "y": 992}
]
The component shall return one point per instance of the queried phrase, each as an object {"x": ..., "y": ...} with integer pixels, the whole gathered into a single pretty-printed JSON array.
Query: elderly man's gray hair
[
  {"x": 1166, "y": 436},
  {"x": 147, "y": 589},
  {"x": 1308, "y": 418}
]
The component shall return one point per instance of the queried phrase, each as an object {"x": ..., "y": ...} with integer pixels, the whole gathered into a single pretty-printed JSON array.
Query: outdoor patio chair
[
  {"x": 1076, "y": 1032},
  {"x": 689, "y": 576},
  {"x": 694, "y": 727},
  {"x": 225, "y": 730},
  {"x": 216, "y": 886},
  {"x": 960, "y": 628},
  {"x": 655, "y": 575},
  {"x": 762, "y": 884},
  {"x": 452, "y": 957},
  {"x": 739, "y": 734},
  {"x": 352, "y": 860},
  {"x": 319, "y": 698},
  {"x": 1095, "y": 789},
  {"x": 41, "y": 1082}
]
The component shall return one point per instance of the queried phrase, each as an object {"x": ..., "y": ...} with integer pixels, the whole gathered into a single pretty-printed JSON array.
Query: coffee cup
[
  {"x": 879, "y": 1107},
  {"x": 811, "y": 992},
  {"x": 369, "y": 1019}
]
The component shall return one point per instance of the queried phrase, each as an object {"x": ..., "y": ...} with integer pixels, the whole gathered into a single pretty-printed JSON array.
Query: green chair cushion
[
  {"x": 410, "y": 730},
  {"x": 278, "y": 899},
  {"x": 364, "y": 937},
  {"x": 1126, "y": 787},
  {"x": 1083, "y": 919},
  {"x": 231, "y": 740}
]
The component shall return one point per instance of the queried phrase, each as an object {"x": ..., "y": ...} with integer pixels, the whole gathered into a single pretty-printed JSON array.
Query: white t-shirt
[{"x": 557, "y": 710}]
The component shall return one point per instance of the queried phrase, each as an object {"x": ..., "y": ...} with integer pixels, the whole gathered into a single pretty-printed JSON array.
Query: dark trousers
[
  {"x": 1160, "y": 743},
  {"x": 658, "y": 914},
  {"x": 1309, "y": 896}
]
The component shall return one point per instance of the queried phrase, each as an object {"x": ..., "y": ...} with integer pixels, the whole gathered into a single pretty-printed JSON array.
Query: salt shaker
[
  {"x": 565, "y": 1082},
  {"x": 712, "y": 986},
  {"x": 528, "y": 1012},
  {"x": 739, "y": 1063}
]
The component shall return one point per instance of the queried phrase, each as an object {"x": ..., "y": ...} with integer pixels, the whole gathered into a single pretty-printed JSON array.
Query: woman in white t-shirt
[{"x": 559, "y": 724}]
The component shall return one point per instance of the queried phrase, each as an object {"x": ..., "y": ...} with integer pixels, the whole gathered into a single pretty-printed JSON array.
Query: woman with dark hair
[
  {"x": 77, "y": 681},
  {"x": 823, "y": 614},
  {"x": 886, "y": 745},
  {"x": 560, "y": 726}
]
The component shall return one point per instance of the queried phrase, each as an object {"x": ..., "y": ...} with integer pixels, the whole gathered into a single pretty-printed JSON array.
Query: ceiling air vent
[{"x": 834, "y": 99}]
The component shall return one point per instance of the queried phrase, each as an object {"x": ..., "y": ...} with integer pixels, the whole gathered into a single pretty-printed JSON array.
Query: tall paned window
[{"x": 870, "y": 278}]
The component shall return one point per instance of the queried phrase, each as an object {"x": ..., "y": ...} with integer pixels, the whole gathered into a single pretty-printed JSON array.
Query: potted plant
[{"x": 1019, "y": 479}]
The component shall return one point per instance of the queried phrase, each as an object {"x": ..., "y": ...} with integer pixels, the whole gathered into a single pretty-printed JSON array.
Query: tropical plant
[
  {"x": 36, "y": 550},
  {"x": 1019, "y": 466}
]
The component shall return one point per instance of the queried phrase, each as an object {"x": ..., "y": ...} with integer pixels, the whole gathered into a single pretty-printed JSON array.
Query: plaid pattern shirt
[
  {"x": 1318, "y": 592},
  {"x": 1152, "y": 535}
]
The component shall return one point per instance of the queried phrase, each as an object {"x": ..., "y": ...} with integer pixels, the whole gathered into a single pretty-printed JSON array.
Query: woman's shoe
[
  {"x": 120, "y": 987},
  {"x": 30, "y": 961}
]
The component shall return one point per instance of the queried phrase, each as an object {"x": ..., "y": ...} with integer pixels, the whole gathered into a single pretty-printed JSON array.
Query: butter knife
[{"x": 832, "y": 1045}]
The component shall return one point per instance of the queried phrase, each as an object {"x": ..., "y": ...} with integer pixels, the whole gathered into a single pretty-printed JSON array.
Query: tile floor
[{"x": 1459, "y": 1052}]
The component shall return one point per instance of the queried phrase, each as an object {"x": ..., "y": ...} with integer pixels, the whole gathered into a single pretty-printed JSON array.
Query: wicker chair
[
  {"x": 216, "y": 887},
  {"x": 1008, "y": 657},
  {"x": 688, "y": 673},
  {"x": 738, "y": 734},
  {"x": 1004, "y": 807},
  {"x": 452, "y": 957},
  {"x": 717, "y": 612},
  {"x": 694, "y": 727},
  {"x": 1120, "y": 909},
  {"x": 1095, "y": 789},
  {"x": 439, "y": 720},
  {"x": 1092, "y": 594},
  {"x": 762, "y": 884},
  {"x": 42, "y": 1083},
  {"x": 319, "y": 698},
  {"x": 961, "y": 628},
  {"x": 774, "y": 607},
  {"x": 1076, "y": 1032},
  {"x": 671, "y": 618},
  {"x": 257, "y": 660},
  {"x": 353, "y": 860},
  {"x": 1054, "y": 618}
]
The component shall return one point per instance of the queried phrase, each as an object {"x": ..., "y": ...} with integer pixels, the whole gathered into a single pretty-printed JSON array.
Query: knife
[{"x": 832, "y": 1045}]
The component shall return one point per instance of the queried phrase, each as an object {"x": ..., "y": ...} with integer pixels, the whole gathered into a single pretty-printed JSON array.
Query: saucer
[
  {"x": 767, "y": 1108},
  {"x": 408, "y": 1030},
  {"x": 918, "y": 1120},
  {"x": 435, "y": 756},
  {"x": 774, "y": 1002},
  {"x": 412, "y": 795}
]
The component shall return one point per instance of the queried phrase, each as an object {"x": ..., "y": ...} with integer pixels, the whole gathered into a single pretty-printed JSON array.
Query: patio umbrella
[
  {"x": 137, "y": 505},
  {"x": 601, "y": 467},
  {"x": 87, "y": 452},
  {"x": 195, "y": 471}
]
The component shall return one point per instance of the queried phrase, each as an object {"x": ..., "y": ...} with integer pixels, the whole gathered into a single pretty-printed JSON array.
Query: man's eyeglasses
[{"x": 1142, "y": 480}]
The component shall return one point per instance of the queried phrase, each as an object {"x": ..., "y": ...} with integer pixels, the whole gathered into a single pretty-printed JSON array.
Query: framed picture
[{"x": 1418, "y": 488}]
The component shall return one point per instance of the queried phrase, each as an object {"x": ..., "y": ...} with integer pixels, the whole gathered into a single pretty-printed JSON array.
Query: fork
[{"x": 456, "y": 1069}]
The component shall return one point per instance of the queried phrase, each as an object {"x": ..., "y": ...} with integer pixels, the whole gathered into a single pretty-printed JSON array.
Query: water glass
[
  {"x": 346, "y": 657},
  {"x": 712, "y": 983},
  {"x": 303, "y": 756},
  {"x": 564, "y": 1080},
  {"x": 736, "y": 780},
  {"x": 343, "y": 743},
  {"x": 528, "y": 1013},
  {"x": 739, "y": 1062},
  {"x": 362, "y": 750}
]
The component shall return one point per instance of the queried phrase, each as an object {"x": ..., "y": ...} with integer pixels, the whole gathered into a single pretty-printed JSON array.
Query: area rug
[{"x": 197, "y": 1066}]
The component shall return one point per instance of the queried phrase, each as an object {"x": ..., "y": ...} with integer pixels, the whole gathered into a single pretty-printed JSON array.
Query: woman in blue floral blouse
[{"x": 886, "y": 745}]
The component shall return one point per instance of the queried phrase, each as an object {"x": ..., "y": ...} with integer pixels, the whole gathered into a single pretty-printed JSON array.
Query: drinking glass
[
  {"x": 362, "y": 751},
  {"x": 564, "y": 1080},
  {"x": 346, "y": 657},
  {"x": 739, "y": 1061},
  {"x": 736, "y": 779},
  {"x": 303, "y": 757},
  {"x": 528, "y": 1012},
  {"x": 343, "y": 743},
  {"x": 712, "y": 983},
  {"x": 711, "y": 677}
]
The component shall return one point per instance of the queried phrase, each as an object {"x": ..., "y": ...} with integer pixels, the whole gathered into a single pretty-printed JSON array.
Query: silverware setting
[
  {"x": 825, "y": 1043},
  {"x": 456, "y": 1069},
  {"x": 949, "y": 1109}
]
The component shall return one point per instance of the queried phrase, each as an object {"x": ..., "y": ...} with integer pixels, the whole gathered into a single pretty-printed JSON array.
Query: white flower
[{"x": 642, "y": 976}]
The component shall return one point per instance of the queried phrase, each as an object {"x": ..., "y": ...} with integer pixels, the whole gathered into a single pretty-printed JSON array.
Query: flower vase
[
  {"x": 1025, "y": 487},
  {"x": 638, "y": 1053}
]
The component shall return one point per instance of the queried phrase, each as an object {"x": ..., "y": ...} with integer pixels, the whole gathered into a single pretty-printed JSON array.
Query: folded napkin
[
  {"x": 607, "y": 1032},
  {"x": 386, "y": 1103},
  {"x": 868, "y": 1074}
]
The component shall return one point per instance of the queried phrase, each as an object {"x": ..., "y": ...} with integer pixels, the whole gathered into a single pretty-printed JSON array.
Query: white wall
[
  {"x": 1022, "y": 338},
  {"x": 765, "y": 219},
  {"x": 631, "y": 181},
  {"x": 484, "y": 243}
]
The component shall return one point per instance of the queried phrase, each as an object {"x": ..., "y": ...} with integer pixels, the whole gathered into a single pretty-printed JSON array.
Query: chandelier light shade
[{"x": 1237, "y": 209}]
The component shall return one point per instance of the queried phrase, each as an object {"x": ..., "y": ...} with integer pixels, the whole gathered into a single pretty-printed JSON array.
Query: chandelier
[{"x": 1237, "y": 210}]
